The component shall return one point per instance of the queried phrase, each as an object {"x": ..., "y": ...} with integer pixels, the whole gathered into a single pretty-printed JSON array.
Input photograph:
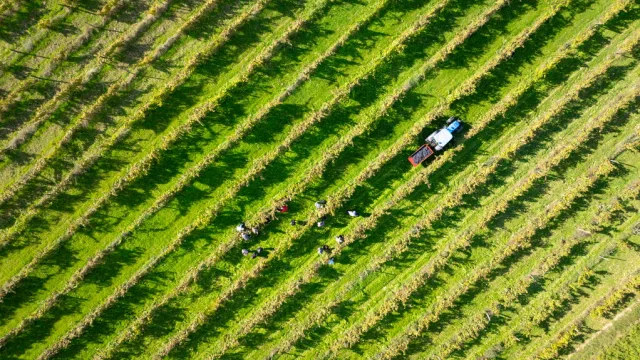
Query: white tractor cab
[{"x": 436, "y": 141}]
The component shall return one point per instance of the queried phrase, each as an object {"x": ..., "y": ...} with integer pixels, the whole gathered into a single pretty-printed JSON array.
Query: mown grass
[{"x": 158, "y": 230}]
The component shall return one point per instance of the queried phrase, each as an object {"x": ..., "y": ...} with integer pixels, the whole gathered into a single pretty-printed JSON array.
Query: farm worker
[
  {"x": 254, "y": 255},
  {"x": 283, "y": 209},
  {"x": 326, "y": 249},
  {"x": 331, "y": 262},
  {"x": 293, "y": 222},
  {"x": 246, "y": 236},
  {"x": 339, "y": 239},
  {"x": 320, "y": 250},
  {"x": 241, "y": 227},
  {"x": 353, "y": 213},
  {"x": 255, "y": 230},
  {"x": 259, "y": 250},
  {"x": 245, "y": 252},
  {"x": 321, "y": 222},
  {"x": 320, "y": 204}
]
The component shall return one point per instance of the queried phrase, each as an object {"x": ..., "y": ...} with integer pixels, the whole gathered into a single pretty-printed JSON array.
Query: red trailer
[{"x": 420, "y": 155}]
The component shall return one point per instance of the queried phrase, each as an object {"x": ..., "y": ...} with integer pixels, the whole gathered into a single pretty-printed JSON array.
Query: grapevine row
[
  {"x": 633, "y": 291},
  {"x": 608, "y": 305},
  {"x": 68, "y": 180},
  {"x": 33, "y": 40},
  {"x": 319, "y": 310},
  {"x": 94, "y": 68},
  {"x": 61, "y": 56},
  {"x": 402, "y": 341},
  {"x": 194, "y": 172},
  {"x": 152, "y": 14},
  {"x": 217, "y": 303},
  {"x": 551, "y": 302}
]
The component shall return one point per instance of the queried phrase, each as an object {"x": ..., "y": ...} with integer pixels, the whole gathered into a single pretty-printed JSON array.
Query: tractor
[{"x": 436, "y": 141}]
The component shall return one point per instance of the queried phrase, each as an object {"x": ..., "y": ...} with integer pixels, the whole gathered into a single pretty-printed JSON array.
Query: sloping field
[{"x": 136, "y": 135}]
